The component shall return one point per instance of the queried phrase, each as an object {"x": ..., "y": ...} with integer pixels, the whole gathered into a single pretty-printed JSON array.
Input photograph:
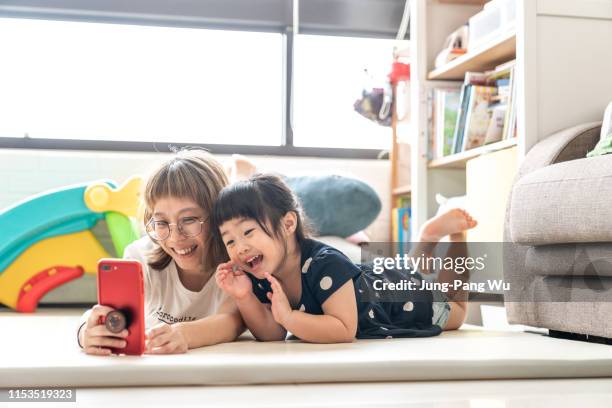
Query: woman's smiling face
[{"x": 187, "y": 251}]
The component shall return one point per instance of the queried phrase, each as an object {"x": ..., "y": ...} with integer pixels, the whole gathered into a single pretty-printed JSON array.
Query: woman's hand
[
  {"x": 281, "y": 309},
  {"x": 166, "y": 339},
  {"x": 233, "y": 281},
  {"x": 95, "y": 337}
]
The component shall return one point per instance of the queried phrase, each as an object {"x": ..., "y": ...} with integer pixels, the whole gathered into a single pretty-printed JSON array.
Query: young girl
[
  {"x": 184, "y": 308},
  {"x": 282, "y": 281}
]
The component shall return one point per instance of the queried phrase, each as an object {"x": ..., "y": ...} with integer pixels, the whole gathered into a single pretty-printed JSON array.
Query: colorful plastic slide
[{"x": 47, "y": 240}]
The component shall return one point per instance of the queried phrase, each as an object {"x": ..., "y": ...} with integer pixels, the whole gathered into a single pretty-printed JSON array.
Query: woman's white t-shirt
[{"x": 166, "y": 299}]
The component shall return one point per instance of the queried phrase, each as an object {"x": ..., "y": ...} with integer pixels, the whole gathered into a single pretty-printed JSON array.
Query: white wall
[{"x": 27, "y": 172}]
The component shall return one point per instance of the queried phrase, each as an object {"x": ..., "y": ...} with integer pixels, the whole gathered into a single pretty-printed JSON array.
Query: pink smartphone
[{"x": 120, "y": 286}]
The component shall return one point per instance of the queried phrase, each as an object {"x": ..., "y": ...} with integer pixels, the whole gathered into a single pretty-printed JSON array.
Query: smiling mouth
[
  {"x": 185, "y": 251},
  {"x": 254, "y": 261}
]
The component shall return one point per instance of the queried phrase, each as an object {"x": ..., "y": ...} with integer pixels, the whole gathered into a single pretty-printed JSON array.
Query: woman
[{"x": 184, "y": 308}]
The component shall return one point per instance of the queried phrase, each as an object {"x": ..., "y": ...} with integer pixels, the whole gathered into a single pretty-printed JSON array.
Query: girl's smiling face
[
  {"x": 187, "y": 251},
  {"x": 251, "y": 248}
]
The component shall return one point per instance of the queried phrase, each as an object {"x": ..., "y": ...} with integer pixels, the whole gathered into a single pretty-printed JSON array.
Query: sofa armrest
[
  {"x": 563, "y": 146},
  {"x": 566, "y": 145},
  {"x": 569, "y": 144}
]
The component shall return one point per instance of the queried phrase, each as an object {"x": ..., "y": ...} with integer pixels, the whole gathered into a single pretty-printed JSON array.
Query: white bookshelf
[
  {"x": 563, "y": 74},
  {"x": 486, "y": 57}
]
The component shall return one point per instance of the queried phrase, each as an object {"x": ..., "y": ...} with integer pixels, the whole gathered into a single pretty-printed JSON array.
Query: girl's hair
[
  {"x": 263, "y": 198},
  {"x": 193, "y": 174}
]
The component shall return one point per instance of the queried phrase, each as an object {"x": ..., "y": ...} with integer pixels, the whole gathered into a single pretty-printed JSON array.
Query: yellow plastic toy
[
  {"x": 100, "y": 197},
  {"x": 47, "y": 239}
]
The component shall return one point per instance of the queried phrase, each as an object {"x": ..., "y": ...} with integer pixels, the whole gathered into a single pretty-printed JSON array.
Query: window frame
[{"x": 285, "y": 148}]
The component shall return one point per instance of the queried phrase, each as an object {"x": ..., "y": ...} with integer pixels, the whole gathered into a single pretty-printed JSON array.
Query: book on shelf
[
  {"x": 446, "y": 109},
  {"x": 403, "y": 201},
  {"x": 485, "y": 112},
  {"x": 400, "y": 222},
  {"x": 395, "y": 220},
  {"x": 495, "y": 131},
  {"x": 478, "y": 116},
  {"x": 431, "y": 125},
  {"x": 510, "y": 119},
  {"x": 443, "y": 105},
  {"x": 461, "y": 115}
]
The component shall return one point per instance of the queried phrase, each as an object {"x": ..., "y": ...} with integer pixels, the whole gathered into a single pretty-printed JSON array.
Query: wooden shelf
[
  {"x": 457, "y": 161},
  {"x": 400, "y": 191},
  {"x": 486, "y": 57}
]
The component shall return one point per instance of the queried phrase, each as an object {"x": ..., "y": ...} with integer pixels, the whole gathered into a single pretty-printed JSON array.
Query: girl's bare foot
[{"x": 453, "y": 222}]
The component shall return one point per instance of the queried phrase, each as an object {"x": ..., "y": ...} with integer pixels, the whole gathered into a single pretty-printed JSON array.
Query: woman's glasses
[{"x": 188, "y": 227}]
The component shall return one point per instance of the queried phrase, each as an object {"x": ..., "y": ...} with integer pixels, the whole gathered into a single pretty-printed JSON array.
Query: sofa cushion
[
  {"x": 566, "y": 202},
  {"x": 570, "y": 260},
  {"x": 559, "y": 303}
]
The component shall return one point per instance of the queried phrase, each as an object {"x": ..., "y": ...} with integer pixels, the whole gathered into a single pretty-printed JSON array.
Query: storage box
[{"x": 497, "y": 18}]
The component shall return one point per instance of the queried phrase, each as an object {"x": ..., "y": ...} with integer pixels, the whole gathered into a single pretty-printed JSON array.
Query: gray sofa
[{"x": 558, "y": 238}]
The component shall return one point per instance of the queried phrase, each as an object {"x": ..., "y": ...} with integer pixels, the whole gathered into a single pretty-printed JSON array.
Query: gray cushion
[
  {"x": 567, "y": 202},
  {"x": 336, "y": 205}
]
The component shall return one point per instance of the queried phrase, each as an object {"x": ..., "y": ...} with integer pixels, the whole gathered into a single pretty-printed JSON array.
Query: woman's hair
[
  {"x": 263, "y": 198},
  {"x": 193, "y": 174}
]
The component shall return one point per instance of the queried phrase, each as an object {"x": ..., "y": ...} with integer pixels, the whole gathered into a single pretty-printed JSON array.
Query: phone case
[{"x": 120, "y": 286}]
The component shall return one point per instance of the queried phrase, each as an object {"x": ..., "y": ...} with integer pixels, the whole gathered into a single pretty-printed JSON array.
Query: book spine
[
  {"x": 509, "y": 112},
  {"x": 400, "y": 235},
  {"x": 478, "y": 117},
  {"x": 403, "y": 228},
  {"x": 431, "y": 123},
  {"x": 468, "y": 115},
  {"x": 464, "y": 114},
  {"x": 460, "y": 118},
  {"x": 440, "y": 98},
  {"x": 394, "y": 225}
]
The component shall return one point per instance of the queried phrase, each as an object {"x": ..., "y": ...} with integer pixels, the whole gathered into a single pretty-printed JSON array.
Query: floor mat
[{"x": 40, "y": 350}]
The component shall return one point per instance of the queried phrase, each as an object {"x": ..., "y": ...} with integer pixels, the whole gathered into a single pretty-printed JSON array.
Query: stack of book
[
  {"x": 482, "y": 111},
  {"x": 400, "y": 222}
]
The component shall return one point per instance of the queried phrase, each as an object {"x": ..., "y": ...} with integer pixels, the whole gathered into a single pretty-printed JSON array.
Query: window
[
  {"x": 329, "y": 77},
  {"x": 94, "y": 81},
  {"x": 131, "y": 80}
]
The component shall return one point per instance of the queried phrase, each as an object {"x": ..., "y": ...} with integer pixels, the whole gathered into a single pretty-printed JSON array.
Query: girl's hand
[
  {"x": 233, "y": 281},
  {"x": 166, "y": 339},
  {"x": 281, "y": 309},
  {"x": 95, "y": 337}
]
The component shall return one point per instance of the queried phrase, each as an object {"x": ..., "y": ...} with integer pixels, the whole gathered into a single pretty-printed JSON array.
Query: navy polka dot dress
[{"x": 325, "y": 270}]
